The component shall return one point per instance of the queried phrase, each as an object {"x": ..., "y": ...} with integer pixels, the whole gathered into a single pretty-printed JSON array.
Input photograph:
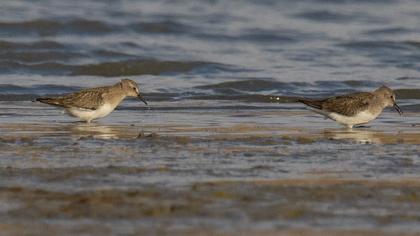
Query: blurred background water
[
  {"x": 210, "y": 49},
  {"x": 214, "y": 151}
]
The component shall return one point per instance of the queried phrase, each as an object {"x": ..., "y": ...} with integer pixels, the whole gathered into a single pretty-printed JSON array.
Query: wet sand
[
  {"x": 221, "y": 208},
  {"x": 248, "y": 172}
]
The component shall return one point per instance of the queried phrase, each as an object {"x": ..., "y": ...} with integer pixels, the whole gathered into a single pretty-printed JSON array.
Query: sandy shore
[{"x": 242, "y": 172}]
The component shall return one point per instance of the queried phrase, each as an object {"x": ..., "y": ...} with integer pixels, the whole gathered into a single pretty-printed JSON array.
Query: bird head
[
  {"x": 131, "y": 89},
  {"x": 388, "y": 97}
]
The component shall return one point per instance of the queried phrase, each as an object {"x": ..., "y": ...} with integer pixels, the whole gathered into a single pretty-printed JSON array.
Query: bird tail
[
  {"x": 49, "y": 101},
  {"x": 312, "y": 103}
]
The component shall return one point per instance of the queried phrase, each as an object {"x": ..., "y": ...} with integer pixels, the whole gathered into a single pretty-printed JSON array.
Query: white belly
[
  {"x": 360, "y": 118},
  {"x": 89, "y": 115},
  {"x": 349, "y": 121}
]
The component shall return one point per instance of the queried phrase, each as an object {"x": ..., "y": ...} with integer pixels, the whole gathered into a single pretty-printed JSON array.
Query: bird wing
[
  {"x": 349, "y": 104},
  {"x": 90, "y": 99}
]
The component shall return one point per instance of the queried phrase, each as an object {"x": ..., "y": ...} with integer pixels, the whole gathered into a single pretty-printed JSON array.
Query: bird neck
[{"x": 116, "y": 95}]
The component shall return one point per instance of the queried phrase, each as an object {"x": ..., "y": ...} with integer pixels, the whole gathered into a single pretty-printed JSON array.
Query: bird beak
[
  {"x": 141, "y": 98},
  {"x": 398, "y": 109}
]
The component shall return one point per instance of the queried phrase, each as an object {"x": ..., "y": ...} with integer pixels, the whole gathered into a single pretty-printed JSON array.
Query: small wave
[
  {"x": 139, "y": 67},
  {"x": 50, "y": 51},
  {"x": 408, "y": 78},
  {"x": 16, "y": 53},
  {"x": 9, "y": 92},
  {"x": 111, "y": 54},
  {"x": 249, "y": 98},
  {"x": 6, "y": 45},
  {"x": 110, "y": 69},
  {"x": 324, "y": 16},
  {"x": 368, "y": 46},
  {"x": 44, "y": 56},
  {"x": 305, "y": 90},
  {"x": 413, "y": 43},
  {"x": 334, "y": 17},
  {"x": 321, "y": 88},
  {"x": 388, "y": 31},
  {"x": 36, "y": 89},
  {"x": 46, "y": 27},
  {"x": 279, "y": 36},
  {"x": 160, "y": 27},
  {"x": 47, "y": 68},
  {"x": 255, "y": 35},
  {"x": 251, "y": 85},
  {"x": 261, "y": 90}
]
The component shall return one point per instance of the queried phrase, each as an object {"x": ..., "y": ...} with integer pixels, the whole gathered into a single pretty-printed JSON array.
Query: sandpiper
[
  {"x": 355, "y": 108},
  {"x": 93, "y": 103}
]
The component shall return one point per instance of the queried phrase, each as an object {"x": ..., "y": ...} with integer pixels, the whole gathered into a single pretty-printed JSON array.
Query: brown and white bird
[
  {"x": 355, "y": 108},
  {"x": 93, "y": 103}
]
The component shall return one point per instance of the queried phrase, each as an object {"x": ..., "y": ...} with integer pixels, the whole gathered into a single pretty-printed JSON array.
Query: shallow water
[{"x": 223, "y": 147}]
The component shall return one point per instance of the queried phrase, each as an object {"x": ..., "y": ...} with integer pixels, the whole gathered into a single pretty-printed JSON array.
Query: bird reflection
[
  {"x": 102, "y": 131},
  {"x": 357, "y": 135}
]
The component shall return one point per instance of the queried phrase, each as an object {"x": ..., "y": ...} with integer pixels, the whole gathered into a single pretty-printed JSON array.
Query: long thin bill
[
  {"x": 398, "y": 109},
  {"x": 142, "y": 99}
]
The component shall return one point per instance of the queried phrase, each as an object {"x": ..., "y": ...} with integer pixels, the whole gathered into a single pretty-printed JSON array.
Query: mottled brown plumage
[
  {"x": 348, "y": 105},
  {"x": 88, "y": 99}
]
